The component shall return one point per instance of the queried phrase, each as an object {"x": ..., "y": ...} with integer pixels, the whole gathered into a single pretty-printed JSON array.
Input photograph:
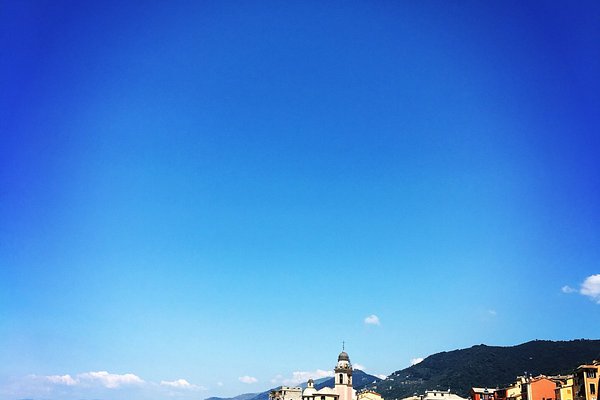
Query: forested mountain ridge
[{"x": 487, "y": 366}]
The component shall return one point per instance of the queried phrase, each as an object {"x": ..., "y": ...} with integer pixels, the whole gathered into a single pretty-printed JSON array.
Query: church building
[{"x": 342, "y": 378}]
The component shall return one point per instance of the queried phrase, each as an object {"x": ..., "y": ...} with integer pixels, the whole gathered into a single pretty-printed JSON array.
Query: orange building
[
  {"x": 538, "y": 388},
  {"x": 482, "y": 394}
]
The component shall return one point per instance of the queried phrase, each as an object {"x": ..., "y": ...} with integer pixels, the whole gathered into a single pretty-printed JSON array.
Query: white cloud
[
  {"x": 359, "y": 366},
  {"x": 381, "y": 376},
  {"x": 372, "y": 320},
  {"x": 109, "y": 380},
  {"x": 61, "y": 380},
  {"x": 248, "y": 379},
  {"x": 181, "y": 384},
  {"x": 94, "y": 384},
  {"x": 301, "y": 377},
  {"x": 178, "y": 383},
  {"x": 102, "y": 378},
  {"x": 493, "y": 313},
  {"x": 567, "y": 289},
  {"x": 591, "y": 287},
  {"x": 219, "y": 383},
  {"x": 414, "y": 361}
]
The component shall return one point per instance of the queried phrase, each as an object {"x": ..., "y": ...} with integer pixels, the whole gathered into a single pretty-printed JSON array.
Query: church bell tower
[{"x": 343, "y": 377}]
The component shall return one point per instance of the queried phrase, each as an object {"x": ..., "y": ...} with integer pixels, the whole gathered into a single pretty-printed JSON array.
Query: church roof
[
  {"x": 309, "y": 391},
  {"x": 327, "y": 391},
  {"x": 343, "y": 356}
]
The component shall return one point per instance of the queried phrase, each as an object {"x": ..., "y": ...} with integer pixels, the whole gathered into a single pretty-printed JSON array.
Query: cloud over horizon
[
  {"x": 590, "y": 287},
  {"x": 109, "y": 380},
  {"x": 301, "y": 377},
  {"x": 94, "y": 384},
  {"x": 247, "y": 379},
  {"x": 92, "y": 378},
  {"x": 372, "y": 320},
  {"x": 61, "y": 379},
  {"x": 181, "y": 384}
]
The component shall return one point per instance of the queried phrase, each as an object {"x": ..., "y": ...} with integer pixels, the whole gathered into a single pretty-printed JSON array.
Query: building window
[
  {"x": 341, "y": 378},
  {"x": 592, "y": 388}
]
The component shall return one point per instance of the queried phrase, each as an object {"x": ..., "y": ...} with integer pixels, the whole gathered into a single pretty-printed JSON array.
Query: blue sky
[{"x": 206, "y": 198}]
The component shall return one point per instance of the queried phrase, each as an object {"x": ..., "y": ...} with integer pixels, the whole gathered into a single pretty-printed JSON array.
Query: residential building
[
  {"x": 539, "y": 388},
  {"x": 435, "y": 395},
  {"x": 564, "y": 388},
  {"x": 513, "y": 392},
  {"x": 501, "y": 394},
  {"x": 286, "y": 393},
  {"x": 440, "y": 395},
  {"x": 585, "y": 382},
  {"x": 368, "y": 395},
  {"x": 413, "y": 397},
  {"x": 482, "y": 394}
]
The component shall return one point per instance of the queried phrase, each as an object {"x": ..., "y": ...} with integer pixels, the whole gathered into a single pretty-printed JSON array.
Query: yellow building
[
  {"x": 564, "y": 388},
  {"x": 585, "y": 382},
  {"x": 514, "y": 391}
]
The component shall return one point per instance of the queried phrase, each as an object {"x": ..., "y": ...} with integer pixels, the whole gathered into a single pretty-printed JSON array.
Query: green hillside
[{"x": 487, "y": 366}]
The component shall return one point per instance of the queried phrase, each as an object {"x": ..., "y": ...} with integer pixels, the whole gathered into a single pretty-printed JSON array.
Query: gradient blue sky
[{"x": 213, "y": 190}]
